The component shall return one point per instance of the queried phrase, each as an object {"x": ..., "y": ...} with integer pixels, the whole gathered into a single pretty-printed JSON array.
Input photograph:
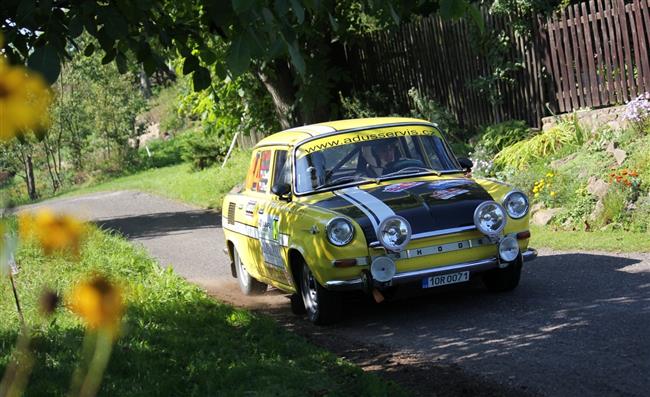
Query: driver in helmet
[{"x": 378, "y": 155}]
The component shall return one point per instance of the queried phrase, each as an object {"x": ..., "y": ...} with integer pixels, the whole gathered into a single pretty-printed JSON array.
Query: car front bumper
[{"x": 416, "y": 275}]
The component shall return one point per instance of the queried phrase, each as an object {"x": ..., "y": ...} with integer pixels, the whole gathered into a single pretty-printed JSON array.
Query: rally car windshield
[{"x": 353, "y": 158}]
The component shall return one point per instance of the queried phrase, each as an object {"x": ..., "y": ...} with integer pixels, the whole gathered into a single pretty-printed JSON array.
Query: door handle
[{"x": 261, "y": 212}]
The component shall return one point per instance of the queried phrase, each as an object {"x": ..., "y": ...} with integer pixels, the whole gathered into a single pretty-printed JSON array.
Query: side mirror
[
  {"x": 466, "y": 163},
  {"x": 282, "y": 190}
]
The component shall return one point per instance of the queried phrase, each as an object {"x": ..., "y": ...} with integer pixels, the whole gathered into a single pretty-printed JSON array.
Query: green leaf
[
  {"x": 208, "y": 56},
  {"x": 238, "y": 57},
  {"x": 453, "y": 9},
  {"x": 268, "y": 16},
  {"x": 298, "y": 11},
  {"x": 76, "y": 26},
  {"x": 220, "y": 70},
  {"x": 393, "y": 14},
  {"x": 201, "y": 79},
  {"x": 333, "y": 22},
  {"x": 90, "y": 49},
  {"x": 45, "y": 60},
  {"x": 281, "y": 7},
  {"x": 190, "y": 64},
  {"x": 296, "y": 58},
  {"x": 120, "y": 60},
  {"x": 241, "y": 6},
  {"x": 110, "y": 55},
  {"x": 476, "y": 17}
]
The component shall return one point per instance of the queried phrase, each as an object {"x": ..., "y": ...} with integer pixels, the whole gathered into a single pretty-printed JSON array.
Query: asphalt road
[{"x": 579, "y": 323}]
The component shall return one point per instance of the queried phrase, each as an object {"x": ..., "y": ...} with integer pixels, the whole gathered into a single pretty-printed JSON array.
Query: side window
[
  {"x": 259, "y": 172},
  {"x": 282, "y": 172}
]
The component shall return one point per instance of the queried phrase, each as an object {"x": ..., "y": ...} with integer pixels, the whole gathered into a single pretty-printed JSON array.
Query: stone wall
[{"x": 591, "y": 118}]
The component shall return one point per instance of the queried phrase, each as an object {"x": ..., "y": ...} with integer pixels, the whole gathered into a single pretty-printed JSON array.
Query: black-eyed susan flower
[
  {"x": 54, "y": 233},
  {"x": 99, "y": 304},
  {"x": 24, "y": 101}
]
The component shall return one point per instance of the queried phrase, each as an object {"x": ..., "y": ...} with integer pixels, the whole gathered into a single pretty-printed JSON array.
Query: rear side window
[
  {"x": 259, "y": 172},
  {"x": 282, "y": 172}
]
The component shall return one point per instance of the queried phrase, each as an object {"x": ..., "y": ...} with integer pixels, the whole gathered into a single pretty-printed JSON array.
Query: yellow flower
[
  {"x": 55, "y": 233},
  {"x": 550, "y": 175},
  {"x": 99, "y": 303},
  {"x": 553, "y": 194},
  {"x": 24, "y": 101},
  {"x": 536, "y": 195}
]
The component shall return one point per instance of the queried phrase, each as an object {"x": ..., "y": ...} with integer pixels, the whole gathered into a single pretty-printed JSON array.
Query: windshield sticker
[
  {"x": 362, "y": 136},
  {"x": 400, "y": 187},
  {"x": 446, "y": 194}
]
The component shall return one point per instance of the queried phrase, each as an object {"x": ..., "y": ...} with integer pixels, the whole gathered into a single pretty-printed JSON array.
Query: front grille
[{"x": 231, "y": 213}]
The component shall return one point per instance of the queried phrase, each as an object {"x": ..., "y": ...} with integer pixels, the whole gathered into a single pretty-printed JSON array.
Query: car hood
[{"x": 428, "y": 206}]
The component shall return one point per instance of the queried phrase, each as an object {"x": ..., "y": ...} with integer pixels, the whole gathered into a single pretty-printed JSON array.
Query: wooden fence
[
  {"x": 599, "y": 53},
  {"x": 438, "y": 58},
  {"x": 591, "y": 54}
]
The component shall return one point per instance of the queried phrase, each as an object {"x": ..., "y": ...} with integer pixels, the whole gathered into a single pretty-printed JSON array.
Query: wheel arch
[
  {"x": 231, "y": 255},
  {"x": 296, "y": 259}
]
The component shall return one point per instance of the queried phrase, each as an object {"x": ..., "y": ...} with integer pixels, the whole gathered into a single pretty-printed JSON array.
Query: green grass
[
  {"x": 204, "y": 188},
  {"x": 608, "y": 241},
  {"x": 177, "y": 341}
]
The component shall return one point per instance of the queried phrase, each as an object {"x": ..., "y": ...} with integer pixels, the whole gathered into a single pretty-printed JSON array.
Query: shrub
[
  {"x": 204, "y": 150},
  {"x": 614, "y": 206},
  {"x": 640, "y": 219},
  {"x": 637, "y": 113},
  {"x": 519, "y": 155},
  {"x": 428, "y": 109},
  {"x": 496, "y": 137}
]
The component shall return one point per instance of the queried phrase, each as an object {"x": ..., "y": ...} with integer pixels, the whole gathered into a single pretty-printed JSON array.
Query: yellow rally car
[{"x": 368, "y": 204}]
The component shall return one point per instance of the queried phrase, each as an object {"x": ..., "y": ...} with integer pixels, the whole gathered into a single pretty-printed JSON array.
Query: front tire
[
  {"x": 503, "y": 280},
  {"x": 322, "y": 306},
  {"x": 247, "y": 284}
]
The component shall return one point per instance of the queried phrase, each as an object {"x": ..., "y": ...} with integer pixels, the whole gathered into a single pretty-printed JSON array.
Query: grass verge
[
  {"x": 609, "y": 241},
  {"x": 176, "y": 340}
]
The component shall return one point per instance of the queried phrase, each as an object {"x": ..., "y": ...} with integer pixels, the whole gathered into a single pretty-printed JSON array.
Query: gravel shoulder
[{"x": 576, "y": 324}]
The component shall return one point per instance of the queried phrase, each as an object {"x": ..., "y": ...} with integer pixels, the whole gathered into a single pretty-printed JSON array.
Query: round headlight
[
  {"x": 508, "y": 249},
  {"x": 516, "y": 204},
  {"x": 394, "y": 233},
  {"x": 340, "y": 231},
  {"x": 490, "y": 218}
]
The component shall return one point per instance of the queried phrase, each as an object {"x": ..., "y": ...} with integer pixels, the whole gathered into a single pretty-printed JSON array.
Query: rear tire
[
  {"x": 503, "y": 280},
  {"x": 297, "y": 305},
  {"x": 322, "y": 306},
  {"x": 247, "y": 284}
]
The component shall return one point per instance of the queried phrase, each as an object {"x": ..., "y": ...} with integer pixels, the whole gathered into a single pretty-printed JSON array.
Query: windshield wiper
[
  {"x": 341, "y": 180},
  {"x": 410, "y": 170}
]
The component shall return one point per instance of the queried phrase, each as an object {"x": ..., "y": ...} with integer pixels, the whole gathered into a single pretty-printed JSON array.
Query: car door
[
  {"x": 249, "y": 206},
  {"x": 273, "y": 223}
]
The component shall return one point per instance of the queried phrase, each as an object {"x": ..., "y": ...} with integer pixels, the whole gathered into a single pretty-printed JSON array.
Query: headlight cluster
[
  {"x": 490, "y": 218},
  {"x": 394, "y": 233},
  {"x": 340, "y": 231},
  {"x": 516, "y": 204}
]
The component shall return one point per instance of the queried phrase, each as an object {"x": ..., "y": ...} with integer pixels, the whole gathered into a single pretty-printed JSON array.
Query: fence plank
[
  {"x": 602, "y": 54},
  {"x": 641, "y": 49},
  {"x": 594, "y": 83}
]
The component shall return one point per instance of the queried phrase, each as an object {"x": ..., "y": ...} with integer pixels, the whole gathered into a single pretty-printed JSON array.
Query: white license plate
[{"x": 445, "y": 279}]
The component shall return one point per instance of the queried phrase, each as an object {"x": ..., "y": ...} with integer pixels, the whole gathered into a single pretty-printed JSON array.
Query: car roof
[{"x": 294, "y": 135}]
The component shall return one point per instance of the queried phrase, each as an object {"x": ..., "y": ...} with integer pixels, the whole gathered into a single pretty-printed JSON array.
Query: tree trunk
[
  {"x": 29, "y": 177},
  {"x": 278, "y": 81},
  {"x": 145, "y": 84}
]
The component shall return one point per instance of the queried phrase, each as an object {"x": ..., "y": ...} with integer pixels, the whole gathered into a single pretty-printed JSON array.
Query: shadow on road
[
  {"x": 160, "y": 224},
  {"x": 579, "y": 319}
]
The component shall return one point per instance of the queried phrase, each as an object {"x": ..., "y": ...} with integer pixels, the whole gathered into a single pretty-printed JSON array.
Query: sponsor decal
[
  {"x": 400, "y": 187},
  {"x": 268, "y": 232},
  {"x": 446, "y": 194},
  {"x": 450, "y": 183},
  {"x": 362, "y": 136},
  {"x": 250, "y": 208}
]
